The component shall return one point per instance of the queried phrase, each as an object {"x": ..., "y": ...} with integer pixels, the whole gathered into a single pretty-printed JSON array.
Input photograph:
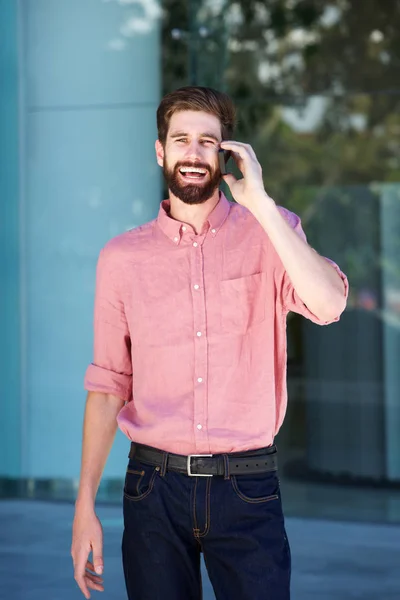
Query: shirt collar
[{"x": 173, "y": 228}]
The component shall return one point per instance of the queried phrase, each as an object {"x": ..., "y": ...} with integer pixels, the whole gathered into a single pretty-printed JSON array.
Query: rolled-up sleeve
[
  {"x": 289, "y": 297},
  {"x": 293, "y": 302},
  {"x": 111, "y": 369}
]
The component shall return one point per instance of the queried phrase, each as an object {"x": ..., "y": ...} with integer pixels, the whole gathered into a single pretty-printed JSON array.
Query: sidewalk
[{"x": 331, "y": 560}]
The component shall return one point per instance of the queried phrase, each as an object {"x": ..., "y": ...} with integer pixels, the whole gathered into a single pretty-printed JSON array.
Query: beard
[{"x": 191, "y": 192}]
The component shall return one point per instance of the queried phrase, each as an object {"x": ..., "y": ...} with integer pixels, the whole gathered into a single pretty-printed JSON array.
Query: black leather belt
[{"x": 207, "y": 465}]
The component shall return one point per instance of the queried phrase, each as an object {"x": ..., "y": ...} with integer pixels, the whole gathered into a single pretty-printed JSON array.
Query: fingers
[
  {"x": 89, "y": 566},
  {"x": 87, "y": 580},
  {"x": 87, "y": 537},
  {"x": 229, "y": 179},
  {"x": 94, "y": 585},
  {"x": 80, "y": 577},
  {"x": 97, "y": 551},
  {"x": 90, "y": 575},
  {"x": 243, "y": 155},
  {"x": 243, "y": 150}
]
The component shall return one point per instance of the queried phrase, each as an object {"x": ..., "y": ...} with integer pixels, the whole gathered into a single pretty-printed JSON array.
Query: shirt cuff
[{"x": 99, "y": 379}]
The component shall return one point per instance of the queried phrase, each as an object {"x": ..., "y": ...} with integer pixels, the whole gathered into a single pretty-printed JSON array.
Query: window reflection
[{"x": 315, "y": 87}]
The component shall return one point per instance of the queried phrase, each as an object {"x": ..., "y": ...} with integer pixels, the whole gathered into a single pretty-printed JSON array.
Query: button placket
[{"x": 201, "y": 348}]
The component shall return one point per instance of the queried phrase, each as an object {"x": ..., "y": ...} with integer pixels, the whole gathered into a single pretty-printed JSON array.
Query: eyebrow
[{"x": 212, "y": 136}]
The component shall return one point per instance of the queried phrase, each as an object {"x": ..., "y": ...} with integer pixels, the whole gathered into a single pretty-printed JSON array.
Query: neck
[{"x": 193, "y": 214}]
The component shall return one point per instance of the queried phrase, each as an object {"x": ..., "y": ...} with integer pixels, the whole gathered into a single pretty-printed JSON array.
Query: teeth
[{"x": 192, "y": 170}]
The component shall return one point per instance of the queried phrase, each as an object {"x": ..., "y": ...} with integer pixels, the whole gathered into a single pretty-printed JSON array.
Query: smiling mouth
[{"x": 193, "y": 173}]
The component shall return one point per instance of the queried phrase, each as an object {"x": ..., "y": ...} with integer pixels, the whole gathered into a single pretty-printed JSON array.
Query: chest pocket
[{"x": 242, "y": 303}]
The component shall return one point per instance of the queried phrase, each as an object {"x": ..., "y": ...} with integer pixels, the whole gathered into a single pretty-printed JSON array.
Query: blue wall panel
[
  {"x": 92, "y": 89},
  {"x": 77, "y": 167},
  {"x": 9, "y": 244}
]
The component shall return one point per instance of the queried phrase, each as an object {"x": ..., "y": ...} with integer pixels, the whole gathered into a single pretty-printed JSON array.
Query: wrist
[
  {"x": 261, "y": 203},
  {"x": 85, "y": 501}
]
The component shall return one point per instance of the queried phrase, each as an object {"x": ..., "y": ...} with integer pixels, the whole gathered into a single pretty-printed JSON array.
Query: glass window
[{"x": 316, "y": 86}]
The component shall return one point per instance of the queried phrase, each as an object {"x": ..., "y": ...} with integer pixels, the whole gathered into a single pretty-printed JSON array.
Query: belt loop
[
  {"x": 132, "y": 450},
  {"x": 164, "y": 464},
  {"x": 227, "y": 473}
]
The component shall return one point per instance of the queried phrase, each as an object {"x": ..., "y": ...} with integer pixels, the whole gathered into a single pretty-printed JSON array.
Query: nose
[{"x": 193, "y": 151}]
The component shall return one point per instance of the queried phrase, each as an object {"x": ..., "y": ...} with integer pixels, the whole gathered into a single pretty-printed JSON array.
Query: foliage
[{"x": 315, "y": 86}]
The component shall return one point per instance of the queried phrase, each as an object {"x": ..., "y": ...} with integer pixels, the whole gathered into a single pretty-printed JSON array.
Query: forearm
[
  {"x": 99, "y": 429},
  {"x": 315, "y": 280}
]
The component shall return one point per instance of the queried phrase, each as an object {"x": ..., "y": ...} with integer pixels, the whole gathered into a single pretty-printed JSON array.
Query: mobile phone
[{"x": 223, "y": 157}]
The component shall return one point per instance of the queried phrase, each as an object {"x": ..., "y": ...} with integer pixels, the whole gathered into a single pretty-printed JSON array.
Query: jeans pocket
[
  {"x": 139, "y": 480},
  {"x": 257, "y": 488}
]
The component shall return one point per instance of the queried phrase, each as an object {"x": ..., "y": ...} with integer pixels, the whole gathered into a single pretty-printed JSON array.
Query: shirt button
[
  {"x": 176, "y": 240},
  {"x": 199, "y": 334},
  {"x": 183, "y": 228},
  {"x": 195, "y": 244},
  {"x": 196, "y": 287},
  {"x": 199, "y": 426},
  {"x": 213, "y": 231},
  {"x": 200, "y": 379}
]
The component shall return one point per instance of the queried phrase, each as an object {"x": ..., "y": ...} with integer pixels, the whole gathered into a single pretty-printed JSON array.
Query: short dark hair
[{"x": 200, "y": 99}]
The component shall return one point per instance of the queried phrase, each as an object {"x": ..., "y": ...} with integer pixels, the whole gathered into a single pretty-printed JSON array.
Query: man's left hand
[{"x": 248, "y": 190}]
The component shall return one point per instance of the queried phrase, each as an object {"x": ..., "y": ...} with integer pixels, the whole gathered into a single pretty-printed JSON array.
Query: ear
[{"x": 160, "y": 153}]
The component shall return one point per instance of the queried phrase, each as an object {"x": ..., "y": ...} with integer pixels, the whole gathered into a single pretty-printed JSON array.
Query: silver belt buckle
[{"x": 189, "y": 472}]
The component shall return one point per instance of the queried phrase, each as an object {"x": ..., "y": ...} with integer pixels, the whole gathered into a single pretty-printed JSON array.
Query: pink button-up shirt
[{"x": 190, "y": 330}]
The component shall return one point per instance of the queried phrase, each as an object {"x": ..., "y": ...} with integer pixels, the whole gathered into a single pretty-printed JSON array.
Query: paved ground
[{"x": 331, "y": 560}]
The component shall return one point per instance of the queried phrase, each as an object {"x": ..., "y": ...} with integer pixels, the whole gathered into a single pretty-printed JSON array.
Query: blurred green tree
[{"x": 317, "y": 89}]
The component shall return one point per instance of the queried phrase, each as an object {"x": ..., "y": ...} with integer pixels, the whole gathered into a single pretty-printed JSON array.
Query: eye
[
  {"x": 208, "y": 142},
  {"x": 181, "y": 140}
]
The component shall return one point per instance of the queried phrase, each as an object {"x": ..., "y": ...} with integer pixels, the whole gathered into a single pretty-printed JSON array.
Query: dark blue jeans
[{"x": 237, "y": 523}]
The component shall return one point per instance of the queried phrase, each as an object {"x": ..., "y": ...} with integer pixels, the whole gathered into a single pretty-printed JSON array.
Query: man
[{"x": 190, "y": 359}]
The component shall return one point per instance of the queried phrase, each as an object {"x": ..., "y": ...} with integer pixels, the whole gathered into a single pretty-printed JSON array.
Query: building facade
[{"x": 317, "y": 97}]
